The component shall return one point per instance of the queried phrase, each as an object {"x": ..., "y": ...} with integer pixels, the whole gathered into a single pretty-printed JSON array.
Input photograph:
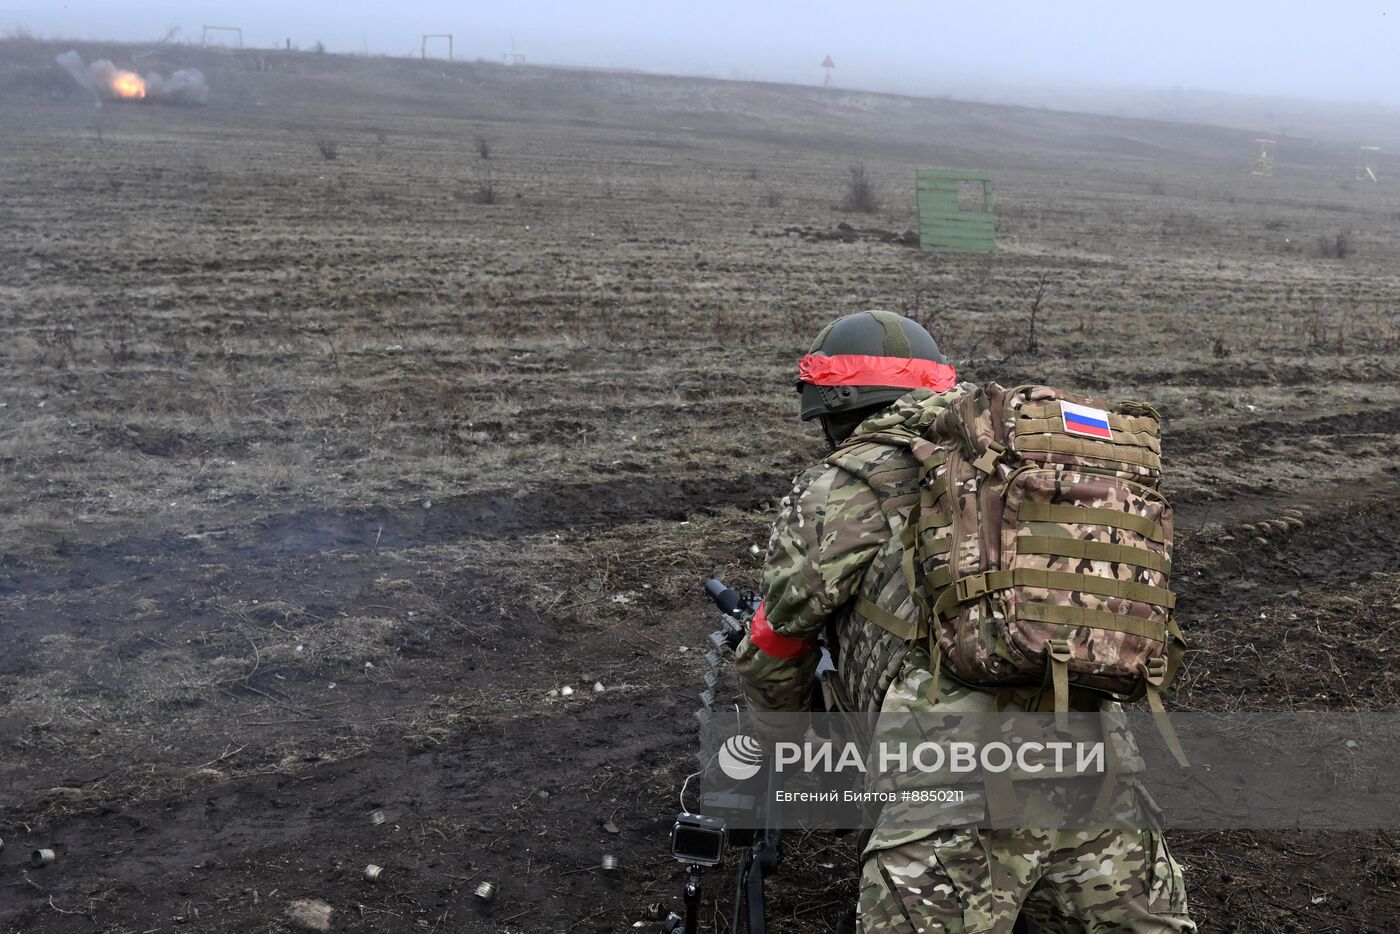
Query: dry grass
[
  {"x": 218, "y": 438},
  {"x": 860, "y": 196}
]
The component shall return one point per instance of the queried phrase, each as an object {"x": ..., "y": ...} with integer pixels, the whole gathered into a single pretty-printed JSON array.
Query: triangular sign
[{"x": 828, "y": 63}]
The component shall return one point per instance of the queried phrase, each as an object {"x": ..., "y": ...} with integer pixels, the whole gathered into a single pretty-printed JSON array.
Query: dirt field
[{"x": 318, "y": 475}]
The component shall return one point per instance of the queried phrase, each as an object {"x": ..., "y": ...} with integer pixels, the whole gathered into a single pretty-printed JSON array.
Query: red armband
[{"x": 776, "y": 644}]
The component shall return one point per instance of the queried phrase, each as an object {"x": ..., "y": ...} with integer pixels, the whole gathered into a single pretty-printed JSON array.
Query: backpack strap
[
  {"x": 1057, "y": 657},
  {"x": 1155, "y": 678},
  {"x": 922, "y": 517},
  {"x": 887, "y": 621}
]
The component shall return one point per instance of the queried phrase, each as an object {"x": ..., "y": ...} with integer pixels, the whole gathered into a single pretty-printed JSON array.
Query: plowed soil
[{"x": 322, "y": 477}]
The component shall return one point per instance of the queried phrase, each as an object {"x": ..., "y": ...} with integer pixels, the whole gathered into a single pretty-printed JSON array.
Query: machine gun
[{"x": 700, "y": 842}]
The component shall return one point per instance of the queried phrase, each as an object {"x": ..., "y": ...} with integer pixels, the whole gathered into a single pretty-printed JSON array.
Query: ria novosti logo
[{"x": 740, "y": 757}]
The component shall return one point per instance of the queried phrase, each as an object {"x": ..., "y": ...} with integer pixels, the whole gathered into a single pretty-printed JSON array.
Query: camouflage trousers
[{"x": 969, "y": 881}]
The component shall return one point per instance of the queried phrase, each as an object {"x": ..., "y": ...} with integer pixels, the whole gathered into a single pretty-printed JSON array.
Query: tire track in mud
[
  {"x": 505, "y": 514},
  {"x": 1194, "y": 441},
  {"x": 1340, "y": 540}
]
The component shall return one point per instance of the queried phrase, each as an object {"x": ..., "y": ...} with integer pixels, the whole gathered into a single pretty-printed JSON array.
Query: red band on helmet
[
  {"x": 775, "y": 644},
  {"x": 865, "y": 370}
]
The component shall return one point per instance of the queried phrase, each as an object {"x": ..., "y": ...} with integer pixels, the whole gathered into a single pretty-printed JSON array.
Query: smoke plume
[{"x": 106, "y": 82}]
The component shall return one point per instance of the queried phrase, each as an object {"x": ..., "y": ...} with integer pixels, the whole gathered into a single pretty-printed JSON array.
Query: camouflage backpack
[{"x": 1039, "y": 551}]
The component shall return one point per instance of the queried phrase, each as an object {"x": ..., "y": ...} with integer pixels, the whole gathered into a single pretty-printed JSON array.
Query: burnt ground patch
[{"x": 70, "y": 564}]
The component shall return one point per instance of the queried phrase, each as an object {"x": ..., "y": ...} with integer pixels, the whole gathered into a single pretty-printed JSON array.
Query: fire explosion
[
  {"x": 106, "y": 82},
  {"x": 127, "y": 85}
]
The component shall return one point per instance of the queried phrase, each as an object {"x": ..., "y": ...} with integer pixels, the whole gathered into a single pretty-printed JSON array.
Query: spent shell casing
[
  {"x": 42, "y": 857},
  {"x": 485, "y": 891},
  {"x": 373, "y": 872},
  {"x": 377, "y": 816},
  {"x": 610, "y": 863}
]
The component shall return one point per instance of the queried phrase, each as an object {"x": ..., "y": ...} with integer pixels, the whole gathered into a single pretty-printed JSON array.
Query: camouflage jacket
[{"x": 834, "y": 557}]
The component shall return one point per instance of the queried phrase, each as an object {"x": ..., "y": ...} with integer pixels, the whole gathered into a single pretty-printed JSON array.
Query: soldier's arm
[{"x": 827, "y": 532}]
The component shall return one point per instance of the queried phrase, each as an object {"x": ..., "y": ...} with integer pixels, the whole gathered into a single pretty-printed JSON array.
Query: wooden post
[
  {"x": 236, "y": 30},
  {"x": 423, "y": 49},
  {"x": 1367, "y": 163},
  {"x": 1264, "y": 165}
]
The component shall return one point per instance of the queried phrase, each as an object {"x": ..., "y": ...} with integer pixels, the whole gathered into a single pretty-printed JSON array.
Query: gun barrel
[{"x": 726, "y": 598}]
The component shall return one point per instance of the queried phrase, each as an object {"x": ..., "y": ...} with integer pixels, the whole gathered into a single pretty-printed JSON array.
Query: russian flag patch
[{"x": 1086, "y": 422}]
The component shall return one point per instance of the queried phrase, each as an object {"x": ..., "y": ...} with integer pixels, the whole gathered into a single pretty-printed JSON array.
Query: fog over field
[{"x": 1168, "y": 61}]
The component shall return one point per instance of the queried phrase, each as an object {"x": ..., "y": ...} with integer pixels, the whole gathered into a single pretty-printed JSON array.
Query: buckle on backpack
[
  {"x": 1154, "y": 671},
  {"x": 1059, "y": 650},
  {"x": 988, "y": 461},
  {"x": 970, "y": 588}
]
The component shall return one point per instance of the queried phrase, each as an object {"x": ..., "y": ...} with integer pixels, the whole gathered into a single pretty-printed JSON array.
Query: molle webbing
[
  {"x": 974, "y": 587},
  {"x": 970, "y": 588},
  {"x": 1093, "y": 619},
  {"x": 1039, "y": 428},
  {"x": 1083, "y": 447},
  {"x": 1145, "y": 438},
  {"x": 1091, "y": 515},
  {"x": 1128, "y": 423},
  {"x": 1092, "y": 551}
]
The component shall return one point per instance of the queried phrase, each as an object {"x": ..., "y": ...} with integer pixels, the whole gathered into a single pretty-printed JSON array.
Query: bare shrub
[
  {"x": 1187, "y": 225},
  {"x": 483, "y": 147},
  {"x": 797, "y": 318},
  {"x": 1335, "y": 246},
  {"x": 118, "y": 343},
  {"x": 56, "y": 347},
  {"x": 18, "y": 33},
  {"x": 485, "y": 192},
  {"x": 860, "y": 194},
  {"x": 1036, "y": 296},
  {"x": 936, "y": 318},
  {"x": 328, "y": 148},
  {"x": 772, "y": 198},
  {"x": 1317, "y": 329}
]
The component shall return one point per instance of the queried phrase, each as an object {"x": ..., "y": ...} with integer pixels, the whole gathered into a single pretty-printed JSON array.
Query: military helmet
[{"x": 869, "y": 359}]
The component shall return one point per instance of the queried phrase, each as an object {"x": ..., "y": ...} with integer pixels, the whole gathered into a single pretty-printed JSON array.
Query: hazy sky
[{"x": 1334, "y": 49}]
